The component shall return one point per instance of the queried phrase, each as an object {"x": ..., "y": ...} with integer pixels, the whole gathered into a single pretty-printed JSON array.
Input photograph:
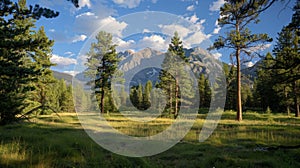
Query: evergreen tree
[
  {"x": 24, "y": 57},
  {"x": 231, "y": 87},
  {"x": 81, "y": 99},
  {"x": 286, "y": 67},
  {"x": 201, "y": 85},
  {"x": 264, "y": 91},
  {"x": 102, "y": 64},
  {"x": 207, "y": 94},
  {"x": 174, "y": 75},
  {"x": 240, "y": 14},
  {"x": 147, "y": 95}
]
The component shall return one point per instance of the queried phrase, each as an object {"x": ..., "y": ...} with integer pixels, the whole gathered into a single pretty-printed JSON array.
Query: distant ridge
[
  {"x": 137, "y": 65},
  {"x": 60, "y": 75}
]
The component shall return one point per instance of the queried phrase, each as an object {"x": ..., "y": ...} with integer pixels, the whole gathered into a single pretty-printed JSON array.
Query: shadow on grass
[
  {"x": 55, "y": 142},
  {"x": 42, "y": 145}
]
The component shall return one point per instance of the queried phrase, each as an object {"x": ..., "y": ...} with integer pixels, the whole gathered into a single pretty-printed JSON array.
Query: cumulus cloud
[
  {"x": 169, "y": 29},
  {"x": 190, "y": 8},
  {"x": 113, "y": 26},
  {"x": 196, "y": 38},
  {"x": 83, "y": 3},
  {"x": 216, "y": 5},
  {"x": 62, "y": 61},
  {"x": 194, "y": 18},
  {"x": 192, "y": 35},
  {"x": 79, "y": 38},
  {"x": 248, "y": 64},
  {"x": 89, "y": 22},
  {"x": 123, "y": 45},
  {"x": 146, "y": 31},
  {"x": 128, "y": 3},
  {"x": 156, "y": 42},
  {"x": 259, "y": 47},
  {"x": 217, "y": 55},
  {"x": 217, "y": 28}
]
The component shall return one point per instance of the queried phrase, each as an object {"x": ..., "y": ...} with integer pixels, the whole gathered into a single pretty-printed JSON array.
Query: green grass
[{"x": 52, "y": 141}]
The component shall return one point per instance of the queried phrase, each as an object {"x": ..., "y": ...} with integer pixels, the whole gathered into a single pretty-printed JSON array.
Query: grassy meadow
[{"x": 260, "y": 140}]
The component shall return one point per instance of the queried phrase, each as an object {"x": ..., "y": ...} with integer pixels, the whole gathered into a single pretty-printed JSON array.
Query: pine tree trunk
[
  {"x": 296, "y": 99},
  {"x": 238, "y": 91},
  {"x": 286, "y": 97},
  {"x": 238, "y": 74},
  {"x": 170, "y": 100},
  {"x": 176, "y": 99},
  {"x": 102, "y": 101}
]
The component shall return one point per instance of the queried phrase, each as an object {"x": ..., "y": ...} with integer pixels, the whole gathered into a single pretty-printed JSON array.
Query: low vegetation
[{"x": 260, "y": 140}]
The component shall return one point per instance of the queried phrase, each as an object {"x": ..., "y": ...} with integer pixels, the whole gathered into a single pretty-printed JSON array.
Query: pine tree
[
  {"x": 139, "y": 92},
  {"x": 264, "y": 91},
  {"x": 147, "y": 95},
  {"x": 287, "y": 58},
  {"x": 24, "y": 57},
  {"x": 240, "y": 14},
  {"x": 102, "y": 64},
  {"x": 174, "y": 75}
]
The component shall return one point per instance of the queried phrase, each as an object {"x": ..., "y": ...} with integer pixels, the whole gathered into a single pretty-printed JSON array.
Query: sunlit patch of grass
[
  {"x": 60, "y": 141},
  {"x": 12, "y": 152}
]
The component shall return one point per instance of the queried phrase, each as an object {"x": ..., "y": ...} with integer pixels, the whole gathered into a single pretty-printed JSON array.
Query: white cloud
[
  {"x": 216, "y": 5},
  {"x": 128, "y": 3},
  {"x": 217, "y": 55},
  {"x": 83, "y": 3},
  {"x": 113, "y": 26},
  {"x": 249, "y": 64},
  {"x": 154, "y": 1},
  {"x": 90, "y": 22},
  {"x": 52, "y": 30},
  {"x": 79, "y": 38},
  {"x": 260, "y": 47},
  {"x": 62, "y": 61},
  {"x": 192, "y": 35},
  {"x": 73, "y": 73},
  {"x": 170, "y": 29},
  {"x": 146, "y": 31},
  {"x": 123, "y": 45},
  {"x": 155, "y": 41},
  {"x": 196, "y": 38},
  {"x": 194, "y": 19},
  {"x": 202, "y": 21},
  {"x": 86, "y": 14},
  {"x": 217, "y": 29},
  {"x": 69, "y": 53},
  {"x": 190, "y": 8}
]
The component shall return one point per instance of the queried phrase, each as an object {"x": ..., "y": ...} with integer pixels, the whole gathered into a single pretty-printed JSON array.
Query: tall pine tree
[
  {"x": 174, "y": 78},
  {"x": 102, "y": 64},
  {"x": 24, "y": 56},
  {"x": 238, "y": 15},
  {"x": 287, "y": 58}
]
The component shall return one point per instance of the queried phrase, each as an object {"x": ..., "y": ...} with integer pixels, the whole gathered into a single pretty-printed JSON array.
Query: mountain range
[{"x": 144, "y": 65}]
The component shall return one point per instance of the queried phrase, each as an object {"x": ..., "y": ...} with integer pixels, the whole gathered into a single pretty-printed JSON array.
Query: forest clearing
[{"x": 260, "y": 140}]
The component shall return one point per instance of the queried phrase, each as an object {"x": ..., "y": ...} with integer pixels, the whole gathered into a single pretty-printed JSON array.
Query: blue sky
[{"x": 137, "y": 24}]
